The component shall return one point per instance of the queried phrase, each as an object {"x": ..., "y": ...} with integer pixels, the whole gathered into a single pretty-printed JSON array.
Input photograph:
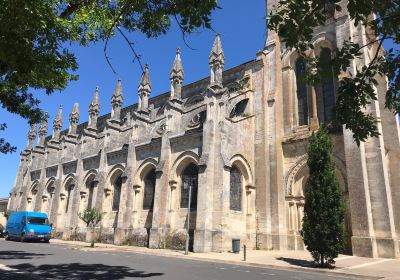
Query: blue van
[{"x": 28, "y": 226}]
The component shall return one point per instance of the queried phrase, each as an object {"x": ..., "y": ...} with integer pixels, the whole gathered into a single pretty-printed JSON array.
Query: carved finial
[
  {"x": 43, "y": 129},
  {"x": 177, "y": 69},
  {"x": 145, "y": 84},
  {"x": 216, "y": 61},
  {"x": 74, "y": 116},
  {"x": 57, "y": 124},
  {"x": 117, "y": 100},
  {"x": 74, "y": 119},
  {"x": 32, "y": 136},
  {"x": 94, "y": 108},
  {"x": 117, "y": 97},
  {"x": 217, "y": 53},
  {"x": 144, "y": 90},
  {"x": 176, "y": 76}
]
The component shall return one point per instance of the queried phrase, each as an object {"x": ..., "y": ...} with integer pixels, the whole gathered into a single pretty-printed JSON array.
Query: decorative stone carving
[
  {"x": 57, "y": 124},
  {"x": 144, "y": 90},
  {"x": 94, "y": 109},
  {"x": 31, "y": 136},
  {"x": 161, "y": 129},
  {"x": 117, "y": 100},
  {"x": 176, "y": 77},
  {"x": 217, "y": 62},
  {"x": 74, "y": 119},
  {"x": 43, "y": 130}
]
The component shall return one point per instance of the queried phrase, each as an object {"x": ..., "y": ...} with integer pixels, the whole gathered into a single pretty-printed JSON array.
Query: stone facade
[
  {"x": 238, "y": 139},
  {"x": 3, "y": 209}
]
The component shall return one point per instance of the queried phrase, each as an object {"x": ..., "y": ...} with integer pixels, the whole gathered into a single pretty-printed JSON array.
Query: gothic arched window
[
  {"x": 189, "y": 178},
  {"x": 149, "y": 189},
  {"x": 116, "y": 194},
  {"x": 327, "y": 87},
  {"x": 90, "y": 189},
  {"x": 70, "y": 188},
  {"x": 235, "y": 189},
  {"x": 302, "y": 102}
]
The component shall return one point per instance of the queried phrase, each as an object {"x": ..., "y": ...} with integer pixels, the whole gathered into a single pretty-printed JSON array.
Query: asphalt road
[{"x": 53, "y": 261}]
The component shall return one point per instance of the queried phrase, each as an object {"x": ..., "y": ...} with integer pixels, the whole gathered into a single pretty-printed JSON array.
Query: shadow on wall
[{"x": 74, "y": 271}]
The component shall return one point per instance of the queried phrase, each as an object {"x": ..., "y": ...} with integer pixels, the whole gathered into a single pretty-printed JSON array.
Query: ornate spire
[
  {"x": 43, "y": 129},
  {"x": 57, "y": 123},
  {"x": 74, "y": 119},
  {"x": 145, "y": 85},
  {"x": 176, "y": 76},
  {"x": 144, "y": 90},
  {"x": 94, "y": 109},
  {"x": 117, "y": 100},
  {"x": 217, "y": 61},
  {"x": 31, "y": 136}
]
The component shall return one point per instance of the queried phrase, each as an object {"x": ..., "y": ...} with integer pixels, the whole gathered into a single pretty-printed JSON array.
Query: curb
[{"x": 241, "y": 263}]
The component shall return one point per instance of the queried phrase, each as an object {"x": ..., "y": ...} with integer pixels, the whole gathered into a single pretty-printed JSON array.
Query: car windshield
[{"x": 38, "y": 221}]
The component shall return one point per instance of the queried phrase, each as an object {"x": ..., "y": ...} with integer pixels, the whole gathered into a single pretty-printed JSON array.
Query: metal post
[{"x": 188, "y": 220}]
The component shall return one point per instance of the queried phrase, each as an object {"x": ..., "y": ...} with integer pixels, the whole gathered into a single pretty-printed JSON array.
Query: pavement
[{"x": 76, "y": 260}]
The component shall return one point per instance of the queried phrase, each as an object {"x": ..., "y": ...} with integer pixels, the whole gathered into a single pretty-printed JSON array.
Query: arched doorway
[
  {"x": 189, "y": 189},
  {"x": 295, "y": 199}
]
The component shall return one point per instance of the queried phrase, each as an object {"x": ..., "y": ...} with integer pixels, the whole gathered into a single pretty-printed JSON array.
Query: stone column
[
  {"x": 312, "y": 96},
  {"x": 368, "y": 180},
  {"x": 127, "y": 193},
  {"x": 160, "y": 210},
  {"x": 274, "y": 127}
]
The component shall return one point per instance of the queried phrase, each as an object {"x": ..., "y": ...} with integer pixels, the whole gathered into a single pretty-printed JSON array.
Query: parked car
[
  {"x": 26, "y": 226},
  {"x": 1, "y": 230}
]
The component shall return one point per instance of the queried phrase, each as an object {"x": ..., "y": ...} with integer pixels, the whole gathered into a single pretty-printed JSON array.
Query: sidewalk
[{"x": 352, "y": 266}]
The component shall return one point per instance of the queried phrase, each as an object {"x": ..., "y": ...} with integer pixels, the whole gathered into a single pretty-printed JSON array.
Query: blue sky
[{"x": 242, "y": 29}]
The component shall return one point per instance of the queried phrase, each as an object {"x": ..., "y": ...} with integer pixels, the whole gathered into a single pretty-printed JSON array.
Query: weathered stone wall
[{"x": 245, "y": 118}]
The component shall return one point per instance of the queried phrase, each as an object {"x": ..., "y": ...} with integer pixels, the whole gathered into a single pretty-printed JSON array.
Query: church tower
[{"x": 368, "y": 174}]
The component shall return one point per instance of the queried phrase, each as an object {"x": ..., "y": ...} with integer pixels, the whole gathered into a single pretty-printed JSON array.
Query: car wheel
[
  {"x": 23, "y": 239},
  {"x": 46, "y": 241},
  {"x": 6, "y": 236}
]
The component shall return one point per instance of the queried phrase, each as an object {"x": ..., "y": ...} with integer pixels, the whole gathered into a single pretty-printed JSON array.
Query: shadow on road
[
  {"x": 74, "y": 271},
  {"x": 297, "y": 262},
  {"x": 22, "y": 255}
]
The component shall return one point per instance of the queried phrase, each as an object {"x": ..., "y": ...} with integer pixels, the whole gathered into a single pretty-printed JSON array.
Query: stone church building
[{"x": 238, "y": 139}]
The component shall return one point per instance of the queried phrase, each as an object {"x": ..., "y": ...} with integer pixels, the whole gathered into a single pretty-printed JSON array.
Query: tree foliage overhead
[
  {"x": 35, "y": 36},
  {"x": 295, "y": 22},
  {"x": 323, "y": 222}
]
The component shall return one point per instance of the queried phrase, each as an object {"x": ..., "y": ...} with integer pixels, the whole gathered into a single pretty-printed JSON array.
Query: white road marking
[
  {"x": 365, "y": 264},
  {"x": 243, "y": 270},
  {"x": 6, "y": 268}
]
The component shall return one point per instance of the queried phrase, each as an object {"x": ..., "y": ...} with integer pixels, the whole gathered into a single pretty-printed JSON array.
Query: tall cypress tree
[{"x": 323, "y": 222}]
